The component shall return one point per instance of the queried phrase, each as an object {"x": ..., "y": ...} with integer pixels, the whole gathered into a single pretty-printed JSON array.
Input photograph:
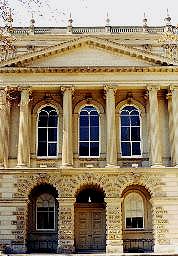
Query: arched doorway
[
  {"x": 42, "y": 225},
  {"x": 90, "y": 220},
  {"x": 137, "y": 220}
]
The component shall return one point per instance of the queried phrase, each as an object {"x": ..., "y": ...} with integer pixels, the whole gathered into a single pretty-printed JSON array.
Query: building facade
[{"x": 89, "y": 140}]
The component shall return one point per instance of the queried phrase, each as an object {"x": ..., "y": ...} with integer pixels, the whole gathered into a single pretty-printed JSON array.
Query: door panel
[{"x": 90, "y": 226}]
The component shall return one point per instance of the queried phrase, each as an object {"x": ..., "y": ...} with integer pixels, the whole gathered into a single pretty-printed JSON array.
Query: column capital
[
  {"x": 108, "y": 87},
  {"x": 153, "y": 87},
  {"x": 67, "y": 88},
  {"x": 173, "y": 88}
]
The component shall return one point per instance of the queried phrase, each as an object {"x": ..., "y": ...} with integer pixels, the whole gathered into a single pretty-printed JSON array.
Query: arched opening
[
  {"x": 90, "y": 220},
  {"x": 42, "y": 225},
  {"x": 137, "y": 220}
]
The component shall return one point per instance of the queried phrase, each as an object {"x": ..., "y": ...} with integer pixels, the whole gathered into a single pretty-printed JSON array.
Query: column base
[
  {"x": 157, "y": 166},
  {"x": 66, "y": 166},
  {"x": 112, "y": 166},
  {"x": 2, "y": 166},
  {"x": 21, "y": 166},
  {"x": 114, "y": 247},
  {"x": 164, "y": 248},
  {"x": 66, "y": 246}
]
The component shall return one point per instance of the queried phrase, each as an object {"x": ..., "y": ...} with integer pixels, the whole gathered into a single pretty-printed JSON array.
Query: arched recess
[
  {"x": 137, "y": 224},
  {"x": 143, "y": 120},
  {"x": 34, "y": 123},
  {"x": 100, "y": 110},
  {"x": 90, "y": 219},
  {"x": 42, "y": 219}
]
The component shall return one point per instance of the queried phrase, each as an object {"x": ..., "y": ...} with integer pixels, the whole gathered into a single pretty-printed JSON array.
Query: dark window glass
[
  {"x": 135, "y": 133},
  {"x": 125, "y": 120},
  {"x": 126, "y": 148},
  {"x": 125, "y": 134},
  {"x": 94, "y": 120},
  {"x": 84, "y": 149},
  {"x": 84, "y": 133},
  {"x": 42, "y": 148},
  {"x": 136, "y": 148},
  {"x": 53, "y": 119},
  {"x": 52, "y": 134},
  {"x": 135, "y": 120},
  {"x": 43, "y": 119},
  {"x": 42, "y": 134},
  {"x": 94, "y": 133},
  {"x": 52, "y": 149},
  {"x": 134, "y": 222},
  {"x": 84, "y": 120},
  {"x": 94, "y": 148},
  {"x": 45, "y": 218}
]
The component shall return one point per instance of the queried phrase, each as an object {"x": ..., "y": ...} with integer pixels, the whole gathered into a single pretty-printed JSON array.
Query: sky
[{"x": 93, "y": 12}]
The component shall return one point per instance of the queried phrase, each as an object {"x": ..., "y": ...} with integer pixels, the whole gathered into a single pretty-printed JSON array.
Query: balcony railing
[
  {"x": 138, "y": 245},
  {"x": 42, "y": 246}
]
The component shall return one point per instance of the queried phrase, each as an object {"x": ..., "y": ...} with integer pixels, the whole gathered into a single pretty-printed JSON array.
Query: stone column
[
  {"x": 114, "y": 242},
  {"x": 66, "y": 225},
  {"x": 67, "y": 149},
  {"x": 154, "y": 129},
  {"x": 173, "y": 123},
  {"x": 23, "y": 158},
  {"x": 111, "y": 126},
  {"x": 3, "y": 128}
]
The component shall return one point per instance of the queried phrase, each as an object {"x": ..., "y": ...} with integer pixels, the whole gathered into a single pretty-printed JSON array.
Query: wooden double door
[{"x": 90, "y": 227}]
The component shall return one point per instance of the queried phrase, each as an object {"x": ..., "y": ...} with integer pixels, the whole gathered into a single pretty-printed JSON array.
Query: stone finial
[
  {"x": 69, "y": 27},
  {"x": 107, "y": 20},
  {"x": 168, "y": 25},
  {"x": 9, "y": 20},
  {"x": 168, "y": 19},
  {"x": 32, "y": 25},
  {"x": 107, "y": 26},
  {"x": 145, "y": 24}
]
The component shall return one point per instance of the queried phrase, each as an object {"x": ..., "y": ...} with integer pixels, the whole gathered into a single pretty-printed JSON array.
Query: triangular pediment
[{"x": 87, "y": 51}]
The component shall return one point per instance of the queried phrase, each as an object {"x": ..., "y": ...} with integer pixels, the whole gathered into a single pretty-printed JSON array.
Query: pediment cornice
[
  {"x": 88, "y": 69},
  {"x": 97, "y": 42}
]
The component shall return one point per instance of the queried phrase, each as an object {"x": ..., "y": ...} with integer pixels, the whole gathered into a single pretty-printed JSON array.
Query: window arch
[
  {"x": 134, "y": 211},
  {"x": 45, "y": 212},
  {"x": 130, "y": 126},
  {"x": 89, "y": 132},
  {"x": 47, "y": 132}
]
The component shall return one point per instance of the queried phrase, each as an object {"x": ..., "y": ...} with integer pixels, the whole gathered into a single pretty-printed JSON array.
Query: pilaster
[
  {"x": 66, "y": 225},
  {"x": 114, "y": 242},
  {"x": 67, "y": 149},
  {"x": 111, "y": 126},
  {"x": 154, "y": 129}
]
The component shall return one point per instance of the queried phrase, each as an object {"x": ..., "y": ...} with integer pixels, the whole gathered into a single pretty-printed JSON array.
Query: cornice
[
  {"x": 90, "y": 69},
  {"x": 92, "y": 41}
]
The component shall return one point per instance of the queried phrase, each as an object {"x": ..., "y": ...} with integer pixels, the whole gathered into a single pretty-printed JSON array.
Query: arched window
[
  {"x": 130, "y": 132},
  {"x": 47, "y": 132},
  {"x": 45, "y": 212},
  {"x": 89, "y": 132},
  {"x": 134, "y": 211}
]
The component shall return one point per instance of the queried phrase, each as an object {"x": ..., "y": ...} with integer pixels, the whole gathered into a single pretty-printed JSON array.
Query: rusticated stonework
[{"x": 68, "y": 185}]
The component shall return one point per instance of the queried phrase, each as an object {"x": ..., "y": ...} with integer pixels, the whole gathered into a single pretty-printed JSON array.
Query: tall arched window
[
  {"x": 45, "y": 212},
  {"x": 130, "y": 132},
  {"x": 47, "y": 132},
  {"x": 134, "y": 211},
  {"x": 89, "y": 132}
]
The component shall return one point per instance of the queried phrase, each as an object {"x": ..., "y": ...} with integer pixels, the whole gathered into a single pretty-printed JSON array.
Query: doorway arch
[
  {"x": 42, "y": 220},
  {"x": 90, "y": 220}
]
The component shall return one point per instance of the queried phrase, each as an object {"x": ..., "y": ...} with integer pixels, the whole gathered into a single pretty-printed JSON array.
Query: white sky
[{"x": 93, "y": 12}]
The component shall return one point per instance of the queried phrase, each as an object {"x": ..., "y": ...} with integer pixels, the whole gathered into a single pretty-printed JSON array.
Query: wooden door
[{"x": 90, "y": 227}]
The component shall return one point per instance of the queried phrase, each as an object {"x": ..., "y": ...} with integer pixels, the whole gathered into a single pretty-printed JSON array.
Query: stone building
[{"x": 89, "y": 140}]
